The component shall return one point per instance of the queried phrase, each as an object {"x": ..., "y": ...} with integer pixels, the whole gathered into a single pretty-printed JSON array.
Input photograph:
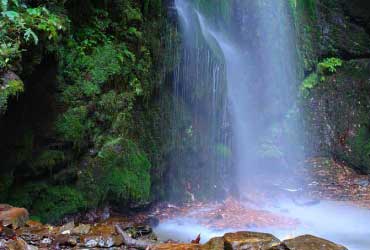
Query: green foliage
[
  {"x": 120, "y": 174},
  {"x": 308, "y": 84},
  {"x": 129, "y": 177},
  {"x": 330, "y": 65},
  {"x": 48, "y": 202},
  {"x": 108, "y": 77},
  {"x": 12, "y": 88},
  {"x": 47, "y": 160},
  {"x": 57, "y": 201},
  {"x": 21, "y": 26},
  {"x": 73, "y": 125}
]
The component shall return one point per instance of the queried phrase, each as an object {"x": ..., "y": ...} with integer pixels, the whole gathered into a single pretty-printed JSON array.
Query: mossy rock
[{"x": 337, "y": 117}]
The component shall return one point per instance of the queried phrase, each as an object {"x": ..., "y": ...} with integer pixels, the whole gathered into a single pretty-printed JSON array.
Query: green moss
[
  {"x": 47, "y": 160},
  {"x": 361, "y": 148},
  {"x": 109, "y": 79},
  {"x": 48, "y": 202},
  {"x": 129, "y": 177},
  {"x": 72, "y": 125},
  {"x": 120, "y": 174},
  {"x": 57, "y": 201}
]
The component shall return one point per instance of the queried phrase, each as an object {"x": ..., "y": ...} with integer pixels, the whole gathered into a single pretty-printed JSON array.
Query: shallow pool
[{"x": 343, "y": 224}]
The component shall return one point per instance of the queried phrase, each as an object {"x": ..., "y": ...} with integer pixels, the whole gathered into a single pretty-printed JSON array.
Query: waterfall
[
  {"x": 243, "y": 68},
  {"x": 200, "y": 117}
]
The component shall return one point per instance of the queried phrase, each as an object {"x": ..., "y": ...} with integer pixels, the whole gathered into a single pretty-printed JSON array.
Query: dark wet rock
[
  {"x": 13, "y": 216},
  {"x": 337, "y": 115},
  {"x": 309, "y": 242},
  {"x": 92, "y": 216},
  {"x": 250, "y": 240},
  {"x": 358, "y": 10},
  {"x": 339, "y": 34}
]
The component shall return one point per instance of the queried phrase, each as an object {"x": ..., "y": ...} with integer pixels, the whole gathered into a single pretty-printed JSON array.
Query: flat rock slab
[
  {"x": 250, "y": 241},
  {"x": 15, "y": 216},
  {"x": 309, "y": 242}
]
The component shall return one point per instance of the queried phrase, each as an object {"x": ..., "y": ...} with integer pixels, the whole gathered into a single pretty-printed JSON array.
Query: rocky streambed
[{"x": 17, "y": 232}]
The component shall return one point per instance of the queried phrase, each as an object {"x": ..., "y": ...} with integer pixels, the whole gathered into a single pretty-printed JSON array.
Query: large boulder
[
  {"x": 309, "y": 242},
  {"x": 250, "y": 240},
  {"x": 13, "y": 216}
]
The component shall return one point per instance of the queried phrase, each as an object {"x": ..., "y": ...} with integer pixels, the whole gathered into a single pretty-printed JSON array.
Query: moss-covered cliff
[
  {"x": 334, "y": 43},
  {"x": 92, "y": 125}
]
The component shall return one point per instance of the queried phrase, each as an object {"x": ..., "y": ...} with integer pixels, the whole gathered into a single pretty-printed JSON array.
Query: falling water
[
  {"x": 200, "y": 122},
  {"x": 261, "y": 79},
  {"x": 237, "y": 82}
]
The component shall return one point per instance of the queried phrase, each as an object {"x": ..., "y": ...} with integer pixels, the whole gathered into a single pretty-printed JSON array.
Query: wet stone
[
  {"x": 250, "y": 241},
  {"x": 14, "y": 216},
  {"x": 214, "y": 244},
  {"x": 309, "y": 242}
]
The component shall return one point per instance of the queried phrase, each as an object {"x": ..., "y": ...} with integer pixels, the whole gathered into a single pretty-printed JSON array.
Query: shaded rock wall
[{"x": 335, "y": 48}]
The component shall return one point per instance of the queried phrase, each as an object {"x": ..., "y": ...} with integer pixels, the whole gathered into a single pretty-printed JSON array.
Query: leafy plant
[
  {"x": 330, "y": 65},
  {"x": 12, "y": 88},
  {"x": 309, "y": 83},
  {"x": 21, "y": 25}
]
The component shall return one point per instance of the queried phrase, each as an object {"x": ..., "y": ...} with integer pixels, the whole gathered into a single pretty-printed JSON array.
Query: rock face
[
  {"x": 309, "y": 242},
  {"x": 337, "y": 114},
  {"x": 14, "y": 216},
  {"x": 250, "y": 240},
  {"x": 337, "y": 109}
]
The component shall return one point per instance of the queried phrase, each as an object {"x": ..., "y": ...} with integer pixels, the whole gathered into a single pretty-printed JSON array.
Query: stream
[{"x": 343, "y": 224}]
